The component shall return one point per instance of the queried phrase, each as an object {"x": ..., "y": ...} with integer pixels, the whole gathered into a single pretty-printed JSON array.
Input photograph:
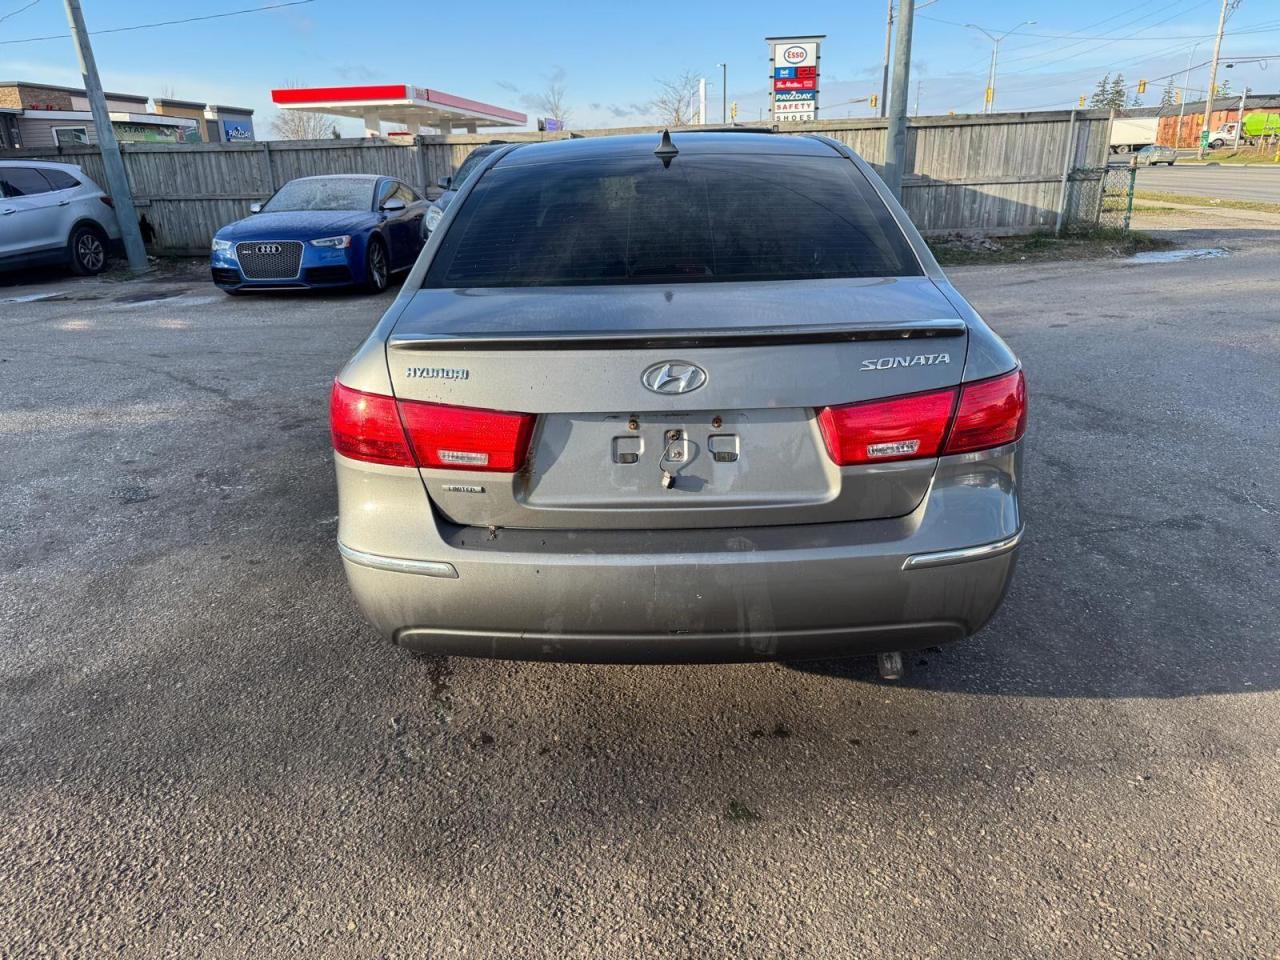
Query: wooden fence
[{"x": 1000, "y": 174}]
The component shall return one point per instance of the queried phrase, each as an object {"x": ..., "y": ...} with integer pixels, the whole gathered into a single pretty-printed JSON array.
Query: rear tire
[
  {"x": 377, "y": 268},
  {"x": 87, "y": 250}
]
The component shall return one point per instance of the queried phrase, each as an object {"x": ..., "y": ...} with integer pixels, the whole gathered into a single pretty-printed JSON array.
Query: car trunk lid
[{"x": 626, "y": 438}]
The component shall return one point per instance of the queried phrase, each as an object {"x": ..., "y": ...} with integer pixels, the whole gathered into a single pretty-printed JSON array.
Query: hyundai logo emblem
[
  {"x": 674, "y": 376},
  {"x": 267, "y": 248}
]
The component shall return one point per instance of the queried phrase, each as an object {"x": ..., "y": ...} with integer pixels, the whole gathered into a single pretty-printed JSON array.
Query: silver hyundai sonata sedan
[{"x": 696, "y": 397}]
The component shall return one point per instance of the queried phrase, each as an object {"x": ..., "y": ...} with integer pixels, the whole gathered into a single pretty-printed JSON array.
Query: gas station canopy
[{"x": 398, "y": 103}]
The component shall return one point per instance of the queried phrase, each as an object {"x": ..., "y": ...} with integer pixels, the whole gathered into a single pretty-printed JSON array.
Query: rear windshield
[
  {"x": 327, "y": 193},
  {"x": 703, "y": 218}
]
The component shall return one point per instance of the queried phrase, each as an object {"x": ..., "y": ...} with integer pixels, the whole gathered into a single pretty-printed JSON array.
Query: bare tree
[
  {"x": 550, "y": 103},
  {"x": 674, "y": 102},
  {"x": 301, "y": 124}
]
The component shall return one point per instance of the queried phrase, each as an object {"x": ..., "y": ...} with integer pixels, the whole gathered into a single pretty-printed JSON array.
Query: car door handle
[
  {"x": 8, "y": 210},
  {"x": 64, "y": 203}
]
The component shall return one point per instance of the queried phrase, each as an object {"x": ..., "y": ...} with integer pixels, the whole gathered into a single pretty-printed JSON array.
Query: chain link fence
[{"x": 1110, "y": 195}]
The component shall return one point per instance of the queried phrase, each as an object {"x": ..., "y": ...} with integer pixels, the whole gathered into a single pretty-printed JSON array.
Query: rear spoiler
[{"x": 730, "y": 337}]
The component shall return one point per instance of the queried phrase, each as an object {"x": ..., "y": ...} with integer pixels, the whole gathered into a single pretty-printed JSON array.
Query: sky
[{"x": 610, "y": 57}]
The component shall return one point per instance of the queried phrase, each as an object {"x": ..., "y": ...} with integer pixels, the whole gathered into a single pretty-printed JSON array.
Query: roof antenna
[{"x": 666, "y": 149}]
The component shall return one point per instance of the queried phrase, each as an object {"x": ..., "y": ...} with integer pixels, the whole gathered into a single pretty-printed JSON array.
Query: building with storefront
[
  {"x": 42, "y": 115},
  {"x": 216, "y": 123}
]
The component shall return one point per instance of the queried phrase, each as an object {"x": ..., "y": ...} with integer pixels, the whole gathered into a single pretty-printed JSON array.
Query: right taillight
[
  {"x": 917, "y": 426},
  {"x": 410, "y": 433},
  {"x": 465, "y": 438},
  {"x": 990, "y": 413}
]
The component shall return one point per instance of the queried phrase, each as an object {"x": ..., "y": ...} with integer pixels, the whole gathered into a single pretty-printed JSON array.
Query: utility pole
[
  {"x": 117, "y": 179},
  {"x": 1213, "y": 79},
  {"x": 702, "y": 101},
  {"x": 888, "y": 43},
  {"x": 724, "y": 92},
  {"x": 895, "y": 140},
  {"x": 916, "y": 110}
]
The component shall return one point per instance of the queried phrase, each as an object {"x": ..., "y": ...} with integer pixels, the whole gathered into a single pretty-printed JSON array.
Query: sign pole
[{"x": 117, "y": 178}]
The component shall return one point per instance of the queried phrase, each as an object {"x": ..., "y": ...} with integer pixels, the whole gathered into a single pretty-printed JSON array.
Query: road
[
  {"x": 204, "y": 752},
  {"x": 1236, "y": 182}
]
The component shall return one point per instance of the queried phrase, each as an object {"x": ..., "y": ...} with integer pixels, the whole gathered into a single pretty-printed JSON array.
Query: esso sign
[{"x": 795, "y": 55}]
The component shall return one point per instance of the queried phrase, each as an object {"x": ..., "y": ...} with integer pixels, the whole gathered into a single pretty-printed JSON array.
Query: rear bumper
[
  {"x": 862, "y": 607},
  {"x": 935, "y": 575}
]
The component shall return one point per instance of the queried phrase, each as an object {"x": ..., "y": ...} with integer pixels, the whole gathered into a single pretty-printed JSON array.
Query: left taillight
[
  {"x": 366, "y": 426},
  {"x": 879, "y": 431},
  {"x": 410, "y": 433},
  {"x": 108, "y": 201}
]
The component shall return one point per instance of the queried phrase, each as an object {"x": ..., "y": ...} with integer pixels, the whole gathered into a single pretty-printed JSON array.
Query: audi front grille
[{"x": 269, "y": 259}]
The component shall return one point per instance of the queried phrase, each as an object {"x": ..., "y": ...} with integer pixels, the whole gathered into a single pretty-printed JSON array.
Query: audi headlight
[
  {"x": 221, "y": 246},
  {"x": 433, "y": 217},
  {"x": 340, "y": 243}
]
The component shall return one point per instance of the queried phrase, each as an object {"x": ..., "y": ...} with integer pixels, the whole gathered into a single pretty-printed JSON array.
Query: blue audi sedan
[{"x": 332, "y": 231}]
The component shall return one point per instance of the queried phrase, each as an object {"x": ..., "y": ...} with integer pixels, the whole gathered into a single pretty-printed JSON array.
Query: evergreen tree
[
  {"x": 1168, "y": 96},
  {"x": 1136, "y": 101},
  {"x": 1101, "y": 98},
  {"x": 1118, "y": 96}
]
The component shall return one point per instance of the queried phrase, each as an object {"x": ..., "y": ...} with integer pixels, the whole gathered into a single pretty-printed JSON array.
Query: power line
[
  {"x": 162, "y": 23},
  {"x": 25, "y": 6}
]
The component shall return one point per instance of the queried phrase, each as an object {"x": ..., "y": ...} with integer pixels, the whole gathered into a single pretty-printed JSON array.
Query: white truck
[{"x": 1129, "y": 134}]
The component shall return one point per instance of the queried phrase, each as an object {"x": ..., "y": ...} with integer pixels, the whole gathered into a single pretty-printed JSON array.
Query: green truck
[{"x": 1257, "y": 126}]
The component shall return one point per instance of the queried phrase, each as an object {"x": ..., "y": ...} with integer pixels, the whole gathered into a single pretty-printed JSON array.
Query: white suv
[{"x": 53, "y": 213}]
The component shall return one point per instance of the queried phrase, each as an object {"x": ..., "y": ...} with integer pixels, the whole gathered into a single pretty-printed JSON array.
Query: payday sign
[{"x": 793, "y": 69}]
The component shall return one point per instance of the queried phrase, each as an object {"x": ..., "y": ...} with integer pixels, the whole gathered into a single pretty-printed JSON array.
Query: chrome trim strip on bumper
[
  {"x": 943, "y": 557},
  {"x": 425, "y": 568}
]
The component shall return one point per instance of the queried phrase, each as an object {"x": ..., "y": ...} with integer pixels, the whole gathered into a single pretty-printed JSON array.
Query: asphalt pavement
[
  {"x": 1238, "y": 182},
  {"x": 204, "y": 752}
]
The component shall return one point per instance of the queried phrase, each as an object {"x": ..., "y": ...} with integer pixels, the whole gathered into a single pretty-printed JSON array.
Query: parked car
[
  {"x": 703, "y": 398},
  {"x": 331, "y": 231},
  {"x": 51, "y": 213},
  {"x": 1154, "y": 153},
  {"x": 451, "y": 185}
]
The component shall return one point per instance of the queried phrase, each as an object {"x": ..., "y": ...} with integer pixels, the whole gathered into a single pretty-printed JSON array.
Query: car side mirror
[
  {"x": 255, "y": 208},
  {"x": 393, "y": 205},
  {"x": 444, "y": 183}
]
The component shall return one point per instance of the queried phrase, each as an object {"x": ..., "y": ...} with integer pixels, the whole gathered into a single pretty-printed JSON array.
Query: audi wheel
[{"x": 377, "y": 270}]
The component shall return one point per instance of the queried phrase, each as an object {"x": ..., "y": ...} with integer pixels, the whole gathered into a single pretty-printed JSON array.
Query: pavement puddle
[
  {"x": 1177, "y": 256},
  {"x": 35, "y": 297}
]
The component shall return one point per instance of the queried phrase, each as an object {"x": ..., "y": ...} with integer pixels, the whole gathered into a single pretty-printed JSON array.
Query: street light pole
[
  {"x": 888, "y": 43},
  {"x": 1240, "y": 119},
  {"x": 724, "y": 92},
  {"x": 1182, "y": 104},
  {"x": 989, "y": 98},
  {"x": 113, "y": 164}
]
